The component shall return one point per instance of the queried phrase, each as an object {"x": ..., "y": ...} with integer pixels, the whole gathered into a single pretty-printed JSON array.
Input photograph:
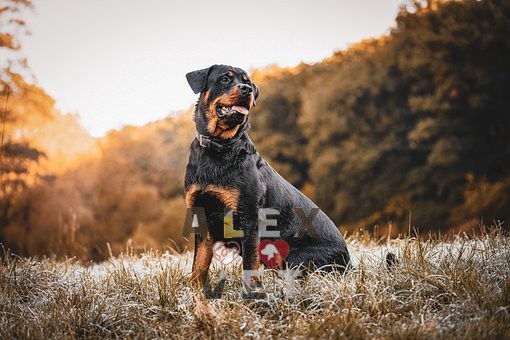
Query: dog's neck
[{"x": 216, "y": 144}]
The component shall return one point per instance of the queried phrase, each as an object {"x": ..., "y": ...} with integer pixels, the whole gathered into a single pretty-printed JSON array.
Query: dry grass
[{"x": 458, "y": 289}]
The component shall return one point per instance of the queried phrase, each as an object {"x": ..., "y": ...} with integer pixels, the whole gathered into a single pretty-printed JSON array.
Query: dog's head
[{"x": 226, "y": 98}]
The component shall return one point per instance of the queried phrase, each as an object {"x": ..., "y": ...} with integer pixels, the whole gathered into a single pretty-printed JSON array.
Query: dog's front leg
[
  {"x": 202, "y": 259},
  {"x": 251, "y": 264}
]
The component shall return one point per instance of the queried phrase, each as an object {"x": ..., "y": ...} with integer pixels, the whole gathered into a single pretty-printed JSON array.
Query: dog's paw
[
  {"x": 391, "y": 260},
  {"x": 250, "y": 295},
  {"x": 252, "y": 288},
  {"x": 255, "y": 282}
]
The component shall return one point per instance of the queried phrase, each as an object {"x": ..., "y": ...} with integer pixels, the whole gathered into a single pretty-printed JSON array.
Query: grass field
[{"x": 438, "y": 289}]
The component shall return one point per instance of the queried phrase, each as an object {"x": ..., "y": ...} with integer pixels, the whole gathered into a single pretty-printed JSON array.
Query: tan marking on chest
[
  {"x": 191, "y": 193},
  {"x": 229, "y": 197}
]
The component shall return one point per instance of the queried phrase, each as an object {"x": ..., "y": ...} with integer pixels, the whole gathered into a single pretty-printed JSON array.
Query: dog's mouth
[{"x": 226, "y": 111}]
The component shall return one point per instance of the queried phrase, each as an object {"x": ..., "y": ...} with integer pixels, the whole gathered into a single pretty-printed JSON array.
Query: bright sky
[{"x": 117, "y": 62}]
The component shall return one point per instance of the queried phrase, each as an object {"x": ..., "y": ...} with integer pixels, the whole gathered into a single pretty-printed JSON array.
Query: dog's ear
[
  {"x": 256, "y": 93},
  {"x": 198, "y": 79}
]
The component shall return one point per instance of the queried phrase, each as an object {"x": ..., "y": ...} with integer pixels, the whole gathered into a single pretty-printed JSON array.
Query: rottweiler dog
[{"x": 226, "y": 173}]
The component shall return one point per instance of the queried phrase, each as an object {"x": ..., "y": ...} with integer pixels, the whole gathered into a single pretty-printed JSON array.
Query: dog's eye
[{"x": 225, "y": 80}]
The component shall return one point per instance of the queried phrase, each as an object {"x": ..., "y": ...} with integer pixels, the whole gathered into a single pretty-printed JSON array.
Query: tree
[
  {"x": 398, "y": 124},
  {"x": 22, "y": 105}
]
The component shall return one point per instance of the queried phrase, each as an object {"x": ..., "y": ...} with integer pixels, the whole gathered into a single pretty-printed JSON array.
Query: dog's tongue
[{"x": 240, "y": 109}]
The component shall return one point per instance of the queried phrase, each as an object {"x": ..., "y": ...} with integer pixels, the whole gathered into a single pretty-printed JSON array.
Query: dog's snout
[{"x": 245, "y": 89}]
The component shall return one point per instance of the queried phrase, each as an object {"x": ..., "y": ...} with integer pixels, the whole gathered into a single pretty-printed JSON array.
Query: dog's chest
[
  {"x": 216, "y": 202},
  {"x": 223, "y": 181},
  {"x": 206, "y": 196}
]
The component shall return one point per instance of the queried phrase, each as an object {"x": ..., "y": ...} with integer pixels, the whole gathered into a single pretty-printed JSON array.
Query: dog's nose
[{"x": 245, "y": 89}]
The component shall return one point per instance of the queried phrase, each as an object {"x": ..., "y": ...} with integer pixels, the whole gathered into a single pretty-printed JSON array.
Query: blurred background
[{"x": 393, "y": 116}]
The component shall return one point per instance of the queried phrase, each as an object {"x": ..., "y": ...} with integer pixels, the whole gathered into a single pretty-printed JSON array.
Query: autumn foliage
[{"x": 409, "y": 130}]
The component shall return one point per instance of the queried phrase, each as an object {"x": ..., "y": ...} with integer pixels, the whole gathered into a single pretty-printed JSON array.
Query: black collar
[{"x": 208, "y": 143}]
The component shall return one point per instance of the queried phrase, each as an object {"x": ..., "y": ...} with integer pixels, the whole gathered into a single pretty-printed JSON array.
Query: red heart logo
[
  {"x": 226, "y": 253},
  {"x": 273, "y": 253}
]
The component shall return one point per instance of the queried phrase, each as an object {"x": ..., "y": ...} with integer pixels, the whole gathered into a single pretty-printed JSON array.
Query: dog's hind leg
[{"x": 313, "y": 257}]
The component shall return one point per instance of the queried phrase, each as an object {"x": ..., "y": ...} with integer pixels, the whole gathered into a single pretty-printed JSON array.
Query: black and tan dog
[{"x": 225, "y": 171}]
